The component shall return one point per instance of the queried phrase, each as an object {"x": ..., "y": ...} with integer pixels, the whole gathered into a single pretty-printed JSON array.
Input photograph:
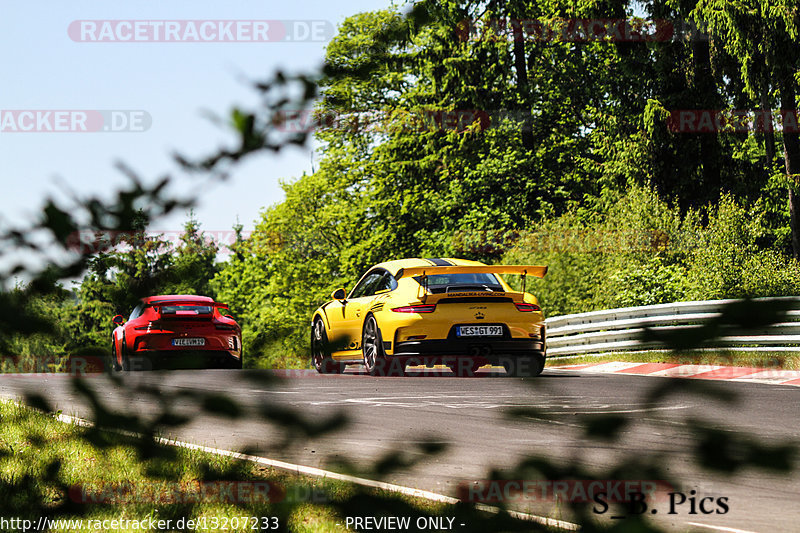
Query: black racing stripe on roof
[{"x": 439, "y": 262}]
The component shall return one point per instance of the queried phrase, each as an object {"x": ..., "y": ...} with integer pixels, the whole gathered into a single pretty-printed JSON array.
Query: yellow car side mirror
[{"x": 339, "y": 294}]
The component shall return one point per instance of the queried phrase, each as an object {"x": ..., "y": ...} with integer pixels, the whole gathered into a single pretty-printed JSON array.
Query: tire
[
  {"x": 372, "y": 348},
  {"x": 236, "y": 363},
  {"x": 229, "y": 363},
  {"x": 126, "y": 361},
  {"x": 524, "y": 366},
  {"x": 320, "y": 351},
  {"x": 137, "y": 363},
  {"x": 115, "y": 366},
  {"x": 375, "y": 361}
]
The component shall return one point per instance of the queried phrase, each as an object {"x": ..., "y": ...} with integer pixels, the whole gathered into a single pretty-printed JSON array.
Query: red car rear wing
[
  {"x": 162, "y": 303},
  {"x": 158, "y": 303}
]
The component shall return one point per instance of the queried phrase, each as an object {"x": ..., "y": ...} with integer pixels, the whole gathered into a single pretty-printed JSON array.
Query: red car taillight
[
  {"x": 423, "y": 308},
  {"x": 527, "y": 308},
  {"x": 226, "y": 327}
]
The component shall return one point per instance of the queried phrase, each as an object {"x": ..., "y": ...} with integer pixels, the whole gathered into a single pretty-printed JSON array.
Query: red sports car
[{"x": 177, "y": 331}]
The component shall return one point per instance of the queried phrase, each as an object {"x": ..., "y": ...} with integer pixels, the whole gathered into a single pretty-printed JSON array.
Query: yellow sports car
[{"x": 453, "y": 312}]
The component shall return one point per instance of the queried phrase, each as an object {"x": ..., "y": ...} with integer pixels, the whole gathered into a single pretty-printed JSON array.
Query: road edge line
[
  {"x": 318, "y": 472},
  {"x": 720, "y": 528}
]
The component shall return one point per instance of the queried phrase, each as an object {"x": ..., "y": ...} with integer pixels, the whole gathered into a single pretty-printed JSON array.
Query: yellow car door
[
  {"x": 336, "y": 325},
  {"x": 349, "y": 316}
]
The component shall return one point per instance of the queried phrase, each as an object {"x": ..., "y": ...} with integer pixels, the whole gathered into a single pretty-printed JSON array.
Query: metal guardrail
[{"x": 621, "y": 329}]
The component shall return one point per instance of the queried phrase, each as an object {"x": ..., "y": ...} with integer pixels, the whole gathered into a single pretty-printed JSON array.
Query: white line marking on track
[
  {"x": 765, "y": 376},
  {"x": 610, "y": 367},
  {"x": 685, "y": 371},
  {"x": 721, "y": 528},
  {"x": 318, "y": 472},
  {"x": 642, "y": 410}
]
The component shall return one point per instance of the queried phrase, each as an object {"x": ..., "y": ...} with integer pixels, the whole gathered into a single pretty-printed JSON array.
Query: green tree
[
  {"x": 577, "y": 128},
  {"x": 302, "y": 249},
  {"x": 194, "y": 262},
  {"x": 762, "y": 36},
  {"x": 138, "y": 265}
]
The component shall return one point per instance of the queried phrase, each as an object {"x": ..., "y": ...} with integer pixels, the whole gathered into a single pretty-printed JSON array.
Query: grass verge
[{"x": 49, "y": 468}]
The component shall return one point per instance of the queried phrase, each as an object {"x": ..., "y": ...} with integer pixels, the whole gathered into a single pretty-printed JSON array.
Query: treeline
[
  {"x": 574, "y": 141},
  {"x": 585, "y": 153},
  {"x": 77, "y": 321}
]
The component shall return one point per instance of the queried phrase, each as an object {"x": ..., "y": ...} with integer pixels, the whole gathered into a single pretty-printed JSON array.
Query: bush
[
  {"x": 627, "y": 257},
  {"x": 727, "y": 261},
  {"x": 643, "y": 252},
  {"x": 648, "y": 283}
]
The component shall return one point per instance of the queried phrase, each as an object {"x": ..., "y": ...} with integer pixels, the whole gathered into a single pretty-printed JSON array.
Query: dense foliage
[
  {"x": 585, "y": 176},
  {"x": 137, "y": 264},
  {"x": 578, "y": 168},
  {"x": 453, "y": 132}
]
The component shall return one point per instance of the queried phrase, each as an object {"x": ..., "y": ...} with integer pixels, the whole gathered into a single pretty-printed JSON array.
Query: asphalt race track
[{"x": 469, "y": 415}]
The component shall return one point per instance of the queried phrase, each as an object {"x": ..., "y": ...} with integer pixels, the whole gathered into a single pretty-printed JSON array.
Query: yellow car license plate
[{"x": 479, "y": 331}]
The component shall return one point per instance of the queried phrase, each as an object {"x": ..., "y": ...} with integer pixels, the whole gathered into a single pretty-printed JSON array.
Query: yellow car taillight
[{"x": 423, "y": 308}]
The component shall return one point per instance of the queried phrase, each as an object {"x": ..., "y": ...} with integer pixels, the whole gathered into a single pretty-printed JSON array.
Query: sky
[{"x": 50, "y": 63}]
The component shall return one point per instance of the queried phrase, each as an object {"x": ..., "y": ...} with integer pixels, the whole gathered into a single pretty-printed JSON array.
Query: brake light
[
  {"x": 227, "y": 327},
  {"x": 148, "y": 326},
  {"x": 527, "y": 308},
  {"x": 423, "y": 308}
]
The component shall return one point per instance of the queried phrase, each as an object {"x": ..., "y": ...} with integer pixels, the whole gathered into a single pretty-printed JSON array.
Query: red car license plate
[
  {"x": 189, "y": 341},
  {"x": 479, "y": 331}
]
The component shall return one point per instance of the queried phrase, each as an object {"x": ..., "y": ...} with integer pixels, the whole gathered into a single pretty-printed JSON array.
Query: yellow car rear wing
[{"x": 522, "y": 270}]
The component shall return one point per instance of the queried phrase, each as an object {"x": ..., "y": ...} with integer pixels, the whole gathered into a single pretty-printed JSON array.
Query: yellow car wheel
[
  {"x": 372, "y": 348},
  {"x": 320, "y": 351},
  {"x": 375, "y": 360}
]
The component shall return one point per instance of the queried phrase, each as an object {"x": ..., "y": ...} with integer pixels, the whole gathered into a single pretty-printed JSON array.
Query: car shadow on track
[{"x": 423, "y": 372}]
